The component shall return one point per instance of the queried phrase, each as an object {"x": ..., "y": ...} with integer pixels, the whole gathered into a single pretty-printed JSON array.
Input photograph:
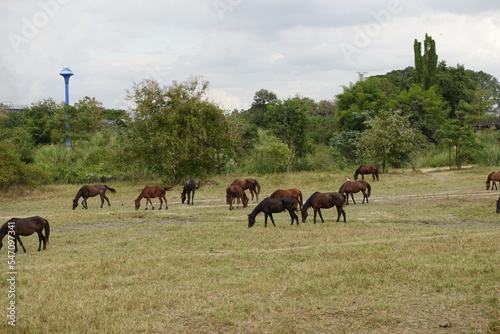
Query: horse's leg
[
  {"x": 40, "y": 239},
  {"x": 272, "y": 219},
  {"x": 352, "y": 196},
  {"x": 293, "y": 216},
  {"x": 20, "y": 242},
  {"x": 107, "y": 200},
  {"x": 320, "y": 215},
  {"x": 340, "y": 211},
  {"x": 84, "y": 203},
  {"x": 165, "y": 199},
  {"x": 265, "y": 219}
]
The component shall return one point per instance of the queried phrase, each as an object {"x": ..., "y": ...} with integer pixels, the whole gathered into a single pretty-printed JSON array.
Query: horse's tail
[
  {"x": 300, "y": 199},
  {"x": 168, "y": 188},
  {"x": 369, "y": 187},
  {"x": 257, "y": 184},
  {"x": 47, "y": 231},
  {"x": 110, "y": 189}
]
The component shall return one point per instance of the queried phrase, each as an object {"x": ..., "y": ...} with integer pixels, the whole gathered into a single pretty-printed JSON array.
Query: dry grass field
[{"x": 422, "y": 257}]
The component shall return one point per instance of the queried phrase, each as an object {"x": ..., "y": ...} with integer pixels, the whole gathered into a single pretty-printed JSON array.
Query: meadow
[{"x": 422, "y": 257}]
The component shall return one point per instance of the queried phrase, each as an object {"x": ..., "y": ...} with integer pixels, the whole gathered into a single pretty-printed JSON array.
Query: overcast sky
[{"x": 311, "y": 48}]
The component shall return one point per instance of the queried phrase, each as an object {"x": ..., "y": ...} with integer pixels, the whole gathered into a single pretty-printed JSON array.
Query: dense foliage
[{"x": 422, "y": 115}]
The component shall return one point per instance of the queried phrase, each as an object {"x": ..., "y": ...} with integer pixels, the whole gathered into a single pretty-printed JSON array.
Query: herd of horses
[{"x": 280, "y": 200}]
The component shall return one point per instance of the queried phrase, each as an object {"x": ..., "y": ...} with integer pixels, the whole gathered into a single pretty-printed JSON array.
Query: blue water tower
[{"x": 66, "y": 74}]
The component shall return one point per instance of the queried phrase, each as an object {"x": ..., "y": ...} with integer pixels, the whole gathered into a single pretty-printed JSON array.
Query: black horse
[
  {"x": 188, "y": 191},
  {"x": 272, "y": 205}
]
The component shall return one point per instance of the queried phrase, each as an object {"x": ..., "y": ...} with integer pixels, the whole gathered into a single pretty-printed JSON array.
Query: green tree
[
  {"x": 458, "y": 140},
  {"x": 176, "y": 131},
  {"x": 261, "y": 100},
  {"x": 288, "y": 120},
  {"x": 426, "y": 63},
  {"x": 388, "y": 138}
]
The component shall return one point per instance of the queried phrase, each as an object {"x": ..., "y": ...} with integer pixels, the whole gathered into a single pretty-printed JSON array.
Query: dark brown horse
[
  {"x": 236, "y": 192},
  {"x": 250, "y": 184},
  {"x": 270, "y": 205},
  {"x": 188, "y": 191},
  {"x": 16, "y": 227},
  {"x": 492, "y": 177},
  {"x": 152, "y": 192},
  {"x": 91, "y": 191},
  {"x": 351, "y": 187},
  {"x": 320, "y": 201},
  {"x": 498, "y": 205},
  {"x": 293, "y": 193},
  {"x": 373, "y": 170}
]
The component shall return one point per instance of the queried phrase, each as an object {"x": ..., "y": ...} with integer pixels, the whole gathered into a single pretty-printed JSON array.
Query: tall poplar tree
[{"x": 426, "y": 63}]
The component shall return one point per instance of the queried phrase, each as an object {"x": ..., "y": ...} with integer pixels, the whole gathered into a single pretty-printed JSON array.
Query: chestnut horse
[
  {"x": 250, "y": 184},
  {"x": 188, "y": 191},
  {"x": 152, "y": 192},
  {"x": 492, "y": 177},
  {"x": 91, "y": 191},
  {"x": 235, "y": 192},
  {"x": 320, "y": 201},
  {"x": 26, "y": 226},
  {"x": 270, "y": 205},
  {"x": 373, "y": 170},
  {"x": 351, "y": 187},
  {"x": 293, "y": 193}
]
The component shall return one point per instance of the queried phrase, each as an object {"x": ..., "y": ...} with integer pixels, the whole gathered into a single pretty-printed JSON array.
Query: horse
[
  {"x": 26, "y": 227},
  {"x": 498, "y": 205},
  {"x": 293, "y": 193},
  {"x": 91, "y": 191},
  {"x": 351, "y": 187},
  {"x": 188, "y": 191},
  {"x": 250, "y": 184},
  {"x": 270, "y": 205},
  {"x": 235, "y": 191},
  {"x": 493, "y": 176},
  {"x": 152, "y": 192},
  {"x": 320, "y": 201},
  {"x": 373, "y": 170}
]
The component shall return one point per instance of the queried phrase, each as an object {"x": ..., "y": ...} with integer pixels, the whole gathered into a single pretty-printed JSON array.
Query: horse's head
[
  {"x": 488, "y": 184},
  {"x": 304, "y": 215},
  {"x": 75, "y": 204},
  {"x": 138, "y": 204},
  {"x": 251, "y": 221},
  {"x": 244, "y": 200},
  {"x": 183, "y": 197}
]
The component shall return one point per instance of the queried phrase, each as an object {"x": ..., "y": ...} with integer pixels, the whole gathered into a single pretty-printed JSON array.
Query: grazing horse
[
  {"x": 250, "y": 184},
  {"x": 91, "y": 191},
  {"x": 320, "y": 201},
  {"x": 373, "y": 170},
  {"x": 498, "y": 205},
  {"x": 152, "y": 192},
  {"x": 188, "y": 191},
  {"x": 25, "y": 227},
  {"x": 351, "y": 187},
  {"x": 235, "y": 191},
  {"x": 293, "y": 193},
  {"x": 272, "y": 205},
  {"x": 492, "y": 177}
]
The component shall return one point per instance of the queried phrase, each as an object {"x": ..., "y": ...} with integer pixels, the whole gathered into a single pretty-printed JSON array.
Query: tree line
[{"x": 420, "y": 115}]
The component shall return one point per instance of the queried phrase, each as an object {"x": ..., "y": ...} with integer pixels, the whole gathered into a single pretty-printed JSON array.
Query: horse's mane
[
  {"x": 78, "y": 194},
  {"x": 258, "y": 208},
  {"x": 311, "y": 198},
  {"x": 343, "y": 185}
]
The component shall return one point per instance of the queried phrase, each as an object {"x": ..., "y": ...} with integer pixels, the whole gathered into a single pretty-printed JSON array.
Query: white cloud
[{"x": 289, "y": 47}]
